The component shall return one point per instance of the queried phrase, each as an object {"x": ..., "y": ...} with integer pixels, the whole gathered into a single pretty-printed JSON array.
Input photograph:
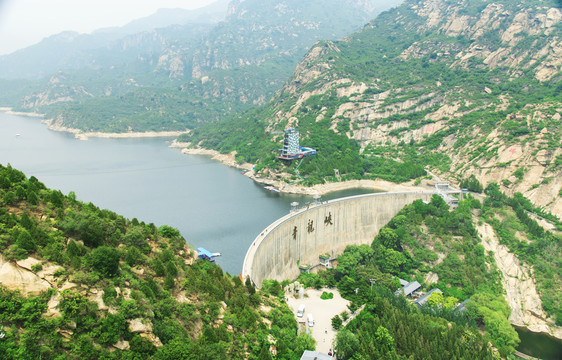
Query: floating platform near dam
[{"x": 321, "y": 229}]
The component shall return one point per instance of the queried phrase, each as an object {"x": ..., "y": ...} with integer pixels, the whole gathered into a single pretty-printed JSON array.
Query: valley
[{"x": 196, "y": 106}]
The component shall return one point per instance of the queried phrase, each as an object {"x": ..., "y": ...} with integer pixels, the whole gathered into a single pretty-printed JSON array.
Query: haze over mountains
[
  {"x": 71, "y": 50},
  {"x": 253, "y": 51}
]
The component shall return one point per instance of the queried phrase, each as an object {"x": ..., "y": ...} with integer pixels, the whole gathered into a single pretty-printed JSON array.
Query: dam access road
[{"x": 300, "y": 237}]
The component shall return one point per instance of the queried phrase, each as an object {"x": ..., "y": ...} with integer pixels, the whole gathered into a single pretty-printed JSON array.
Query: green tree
[
  {"x": 10, "y": 198},
  {"x": 384, "y": 340},
  {"x": 347, "y": 344},
  {"x": 435, "y": 299},
  {"x": 337, "y": 322},
  {"x": 392, "y": 261},
  {"x": 168, "y": 231},
  {"x": 158, "y": 267},
  {"x": 347, "y": 286},
  {"x": 450, "y": 302},
  {"x": 169, "y": 282},
  {"x": 72, "y": 249},
  {"x": 25, "y": 241},
  {"x": 32, "y": 198},
  {"x": 133, "y": 256},
  {"x": 171, "y": 268},
  {"x": 105, "y": 260},
  {"x": 388, "y": 238},
  {"x": 264, "y": 353},
  {"x": 56, "y": 198}
]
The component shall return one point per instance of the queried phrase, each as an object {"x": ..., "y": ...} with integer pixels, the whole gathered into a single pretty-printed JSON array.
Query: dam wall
[{"x": 325, "y": 228}]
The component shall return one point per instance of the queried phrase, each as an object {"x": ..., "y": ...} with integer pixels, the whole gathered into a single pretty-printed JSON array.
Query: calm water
[
  {"x": 538, "y": 345},
  {"x": 212, "y": 205}
]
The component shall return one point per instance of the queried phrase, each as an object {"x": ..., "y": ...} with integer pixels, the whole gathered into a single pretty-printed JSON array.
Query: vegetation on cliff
[
  {"x": 177, "y": 77},
  {"x": 460, "y": 87},
  {"x": 115, "y": 288}
]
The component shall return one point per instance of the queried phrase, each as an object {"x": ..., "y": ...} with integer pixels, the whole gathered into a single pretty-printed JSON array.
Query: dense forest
[{"x": 122, "y": 289}]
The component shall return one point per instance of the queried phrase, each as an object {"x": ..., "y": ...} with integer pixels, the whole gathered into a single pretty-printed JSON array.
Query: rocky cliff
[{"x": 475, "y": 80}]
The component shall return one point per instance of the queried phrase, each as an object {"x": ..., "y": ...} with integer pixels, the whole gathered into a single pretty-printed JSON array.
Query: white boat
[{"x": 271, "y": 188}]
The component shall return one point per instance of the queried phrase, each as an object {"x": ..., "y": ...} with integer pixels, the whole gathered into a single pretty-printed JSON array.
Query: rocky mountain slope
[
  {"x": 474, "y": 83},
  {"x": 191, "y": 73},
  {"x": 108, "y": 46}
]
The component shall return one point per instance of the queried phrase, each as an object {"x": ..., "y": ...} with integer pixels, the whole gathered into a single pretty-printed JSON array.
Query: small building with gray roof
[
  {"x": 314, "y": 355},
  {"x": 408, "y": 289},
  {"x": 423, "y": 299}
]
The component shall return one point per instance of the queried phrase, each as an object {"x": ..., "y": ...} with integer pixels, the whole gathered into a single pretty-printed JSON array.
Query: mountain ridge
[{"x": 417, "y": 83}]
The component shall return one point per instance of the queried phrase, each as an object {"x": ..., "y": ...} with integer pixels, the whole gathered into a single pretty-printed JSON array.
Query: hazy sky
[{"x": 26, "y": 22}]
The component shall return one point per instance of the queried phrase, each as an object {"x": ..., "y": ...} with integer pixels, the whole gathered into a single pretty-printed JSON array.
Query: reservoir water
[
  {"x": 540, "y": 346},
  {"x": 212, "y": 205}
]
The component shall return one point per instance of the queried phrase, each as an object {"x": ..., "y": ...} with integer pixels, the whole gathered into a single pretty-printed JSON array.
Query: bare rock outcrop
[
  {"x": 14, "y": 277},
  {"x": 144, "y": 328},
  {"x": 521, "y": 291}
]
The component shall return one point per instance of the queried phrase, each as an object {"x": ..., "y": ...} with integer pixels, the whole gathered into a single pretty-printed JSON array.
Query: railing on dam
[{"x": 327, "y": 227}]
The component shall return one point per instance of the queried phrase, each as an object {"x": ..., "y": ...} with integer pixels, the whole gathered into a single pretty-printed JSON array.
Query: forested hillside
[
  {"x": 463, "y": 88},
  {"x": 79, "y": 282},
  {"x": 176, "y": 77}
]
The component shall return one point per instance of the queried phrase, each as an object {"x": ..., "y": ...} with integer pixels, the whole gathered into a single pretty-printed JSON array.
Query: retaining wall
[{"x": 327, "y": 228}]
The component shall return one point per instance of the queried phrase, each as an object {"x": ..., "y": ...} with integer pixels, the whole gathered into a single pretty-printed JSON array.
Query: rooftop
[
  {"x": 462, "y": 306},
  {"x": 423, "y": 299},
  {"x": 408, "y": 289},
  {"x": 204, "y": 252},
  {"x": 314, "y": 355}
]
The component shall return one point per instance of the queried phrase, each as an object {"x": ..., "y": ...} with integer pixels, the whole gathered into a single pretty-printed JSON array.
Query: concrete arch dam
[{"x": 326, "y": 228}]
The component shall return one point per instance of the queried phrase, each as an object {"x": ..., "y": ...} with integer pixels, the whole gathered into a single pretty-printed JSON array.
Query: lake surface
[
  {"x": 539, "y": 345},
  {"x": 212, "y": 205}
]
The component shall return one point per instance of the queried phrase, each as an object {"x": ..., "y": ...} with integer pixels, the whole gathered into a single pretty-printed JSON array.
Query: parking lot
[{"x": 322, "y": 312}]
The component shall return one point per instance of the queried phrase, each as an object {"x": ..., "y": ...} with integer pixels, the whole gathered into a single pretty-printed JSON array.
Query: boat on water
[
  {"x": 271, "y": 188},
  {"x": 205, "y": 254}
]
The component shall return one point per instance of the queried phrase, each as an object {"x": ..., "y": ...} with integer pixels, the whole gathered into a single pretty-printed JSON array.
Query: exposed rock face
[
  {"x": 58, "y": 91},
  {"x": 139, "y": 325},
  {"x": 122, "y": 345},
  {"x": 144, "y": 328},
  {"x": 514, "y": 40},
  {"x": 15, "y": 277},
  {"x": 521, "y": 292}
]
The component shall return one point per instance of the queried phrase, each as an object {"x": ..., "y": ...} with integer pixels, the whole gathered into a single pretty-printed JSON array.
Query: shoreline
[
  {"x": 81, "y": 135},
  {"x": 9, "y": 111},
  {"x": 283, "y": 187}
]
